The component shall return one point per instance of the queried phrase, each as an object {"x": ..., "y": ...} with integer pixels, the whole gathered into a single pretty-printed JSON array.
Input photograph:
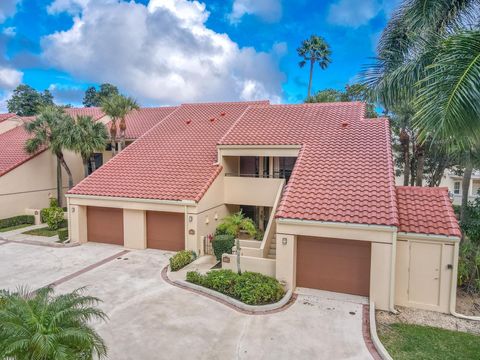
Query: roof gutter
[
  {"x": 432, "y": 237},
  {"x": 334, "y": 224},
  {"x": 139, "y": 200}
]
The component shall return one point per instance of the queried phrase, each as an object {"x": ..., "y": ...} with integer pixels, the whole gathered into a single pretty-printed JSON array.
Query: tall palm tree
[
  {"x": 86, "y": 137},
  {"x": 48, "y": 131},
  {"x": 117, "y": 107},
  {"x": 40, "y": 325},
  {"x": 314, "y": 50}
]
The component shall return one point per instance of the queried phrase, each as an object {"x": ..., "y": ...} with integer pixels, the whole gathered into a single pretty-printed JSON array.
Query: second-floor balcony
[{"x": 249, "y": 190}]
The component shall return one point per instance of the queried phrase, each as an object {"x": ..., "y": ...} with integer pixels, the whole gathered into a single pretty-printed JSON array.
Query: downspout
[
  {"x": 393, "y": 264},
  {"x": 69, "y": 223},
  {"x": 186, "y": 227},
  {"x": 453, "y": 290}
]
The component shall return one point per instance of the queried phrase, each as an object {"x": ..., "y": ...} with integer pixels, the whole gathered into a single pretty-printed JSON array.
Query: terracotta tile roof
[
  {"x": 6, "y": 116},
  {"x": 12, "y": 153},
  {"x": 344, "y": 172},
  {"x": 140, "y": 121},
  {"x": 426, "y": 210},
  {"x": 95, "y": 112},
  {"x": 175, "y": 160}
]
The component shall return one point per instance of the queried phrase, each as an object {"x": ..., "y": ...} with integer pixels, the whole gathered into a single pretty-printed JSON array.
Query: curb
[
  {"x": 234, "y": 304},
  {"x": 40, "y": 243},
  {"x": 384, "y": 355}
]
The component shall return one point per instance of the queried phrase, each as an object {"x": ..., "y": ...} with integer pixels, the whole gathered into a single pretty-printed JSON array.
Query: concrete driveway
[{"x": 151, "y": 319}]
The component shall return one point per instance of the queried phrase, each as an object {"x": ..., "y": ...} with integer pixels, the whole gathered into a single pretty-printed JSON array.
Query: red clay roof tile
[
  {"x": 175, "y": 160},
  {"x": 426, "y": 210},
  {"x": 344, "y": 171}
]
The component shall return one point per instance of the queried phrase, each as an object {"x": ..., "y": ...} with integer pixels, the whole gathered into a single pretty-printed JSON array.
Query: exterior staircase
[{"x": 272, "y": 251}]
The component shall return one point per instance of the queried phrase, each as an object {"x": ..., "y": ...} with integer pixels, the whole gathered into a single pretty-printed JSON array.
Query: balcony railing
[{"x": 282, "y": 174}]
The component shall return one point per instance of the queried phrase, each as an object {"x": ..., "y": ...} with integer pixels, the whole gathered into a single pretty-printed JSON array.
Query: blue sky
[{"x": 173, "y": 51}]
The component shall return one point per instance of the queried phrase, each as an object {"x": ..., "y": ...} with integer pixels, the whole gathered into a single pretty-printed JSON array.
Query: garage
[
  {"x": 165, "y": 230},
  {"x": 334, "y": 265},
  {"x": 105, "y": 225}
]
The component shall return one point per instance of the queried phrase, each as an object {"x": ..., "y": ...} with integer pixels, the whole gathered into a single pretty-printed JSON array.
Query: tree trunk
[
  {"x": 67, "y": 169},
  {"x": 438, "y": 172},
  {"x": 312, "y": 63},
  {"x": 123, "y": 128},
  {"x": 113, "y": 137},
  {"x": 467, "y": 175},
  {"x": 420, "y": 165},
  {"x": 59, "y": 184},
  {"x": 405, "y": 141}
]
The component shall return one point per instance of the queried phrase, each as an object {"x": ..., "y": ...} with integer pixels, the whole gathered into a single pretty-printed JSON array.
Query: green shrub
[
  {"x": 17, "y": 220},
  {"x": 222, "y": 244},
  {"x": 62, "y": 234},
  {"x": 54, "y": 217},
  {"x": 43, "y": 216},
  {"x": 254, "y": 288},
  {"x": 53, "y": 202},
  {"x": 181, "y": 259},
  {"x": 469, "y": 266},
  {"x": 259, "y": 235},
  {"x": 248, "y": 287}
]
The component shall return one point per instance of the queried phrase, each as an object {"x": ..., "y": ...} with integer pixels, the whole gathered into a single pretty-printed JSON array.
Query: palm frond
[{"x": 449, "y": 95}]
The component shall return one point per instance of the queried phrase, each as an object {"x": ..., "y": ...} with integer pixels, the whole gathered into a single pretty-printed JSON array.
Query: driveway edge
[
  {"x": 234, "y": 304},
  {"x": 40, "y": 243},
  {"x": 374, "y": 344}
]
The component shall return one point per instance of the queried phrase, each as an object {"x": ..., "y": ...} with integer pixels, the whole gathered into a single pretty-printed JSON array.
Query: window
[
  {"x": 95, "y": 162},
  {"x": 456, "y": 187}
]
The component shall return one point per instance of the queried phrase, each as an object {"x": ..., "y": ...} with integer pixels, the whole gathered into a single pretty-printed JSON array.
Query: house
[
  {"x": 28, "y": 180},
  {"x": 318, "y": 178}
]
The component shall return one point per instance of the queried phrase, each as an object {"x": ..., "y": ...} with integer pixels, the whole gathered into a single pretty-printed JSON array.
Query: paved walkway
[
  {"x": 17, "y": 235},
  {"x": 150, "y": 319}
]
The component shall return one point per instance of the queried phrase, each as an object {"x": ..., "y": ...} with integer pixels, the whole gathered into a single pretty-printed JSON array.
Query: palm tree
[
  {"x": 40, "y": 325},
  {"x": 314, "y": 50},
  {"x": 86, "y": 137},
  {"x": 234, "y": 224},
  {"x": 48, "y": 130},
  {"x": 117, "y": 107},
  {"x": 429, "y": 54}
]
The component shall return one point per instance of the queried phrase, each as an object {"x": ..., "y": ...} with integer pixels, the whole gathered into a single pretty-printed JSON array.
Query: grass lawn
[
  {"x": 45, "y": 231},
  {"x": 10, "y": 228},
  {"x": 405, "y": 341}
]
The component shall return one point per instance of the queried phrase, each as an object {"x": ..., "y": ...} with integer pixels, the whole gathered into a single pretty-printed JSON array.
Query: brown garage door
[
  {"x": 165, "y": 230},
  {"x": 105, "y": 225},
  {"x": 334, "y": 265}
]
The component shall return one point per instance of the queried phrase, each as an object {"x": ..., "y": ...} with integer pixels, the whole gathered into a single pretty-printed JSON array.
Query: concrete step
[
  {"x": 273, "y": 245},
  {"x": 271, "y": 256},
  {"x": 272, "y": 252}
]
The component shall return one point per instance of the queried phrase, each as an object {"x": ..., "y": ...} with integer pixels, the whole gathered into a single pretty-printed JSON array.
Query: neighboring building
[
  {"x": 28, "y": 180},
  {"x": 453, "y": 183},
  {"x": 318, "y": 178}
]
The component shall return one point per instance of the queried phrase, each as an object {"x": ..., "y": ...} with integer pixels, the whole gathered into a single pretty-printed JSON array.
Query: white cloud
[
  {"x": 162, "y": 52},
  {"x": 268, "y": 10},
  {"x": 10, "y": 31},
  {"x": 7, "y": 9},
  {"x": 354, "y": 13},
  {"x": 69, "y": 6},
  {"x": 9, "y": 78}
]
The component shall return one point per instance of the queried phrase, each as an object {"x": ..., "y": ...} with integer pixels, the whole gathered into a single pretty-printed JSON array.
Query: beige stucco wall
[
  {"x": 134, "y": 229},
  {"x": 381, "y": 237},
  {"x": 423, "y": 275},
  {"x": 251, "y": 191},
  {"x": 247, "y": 263}
]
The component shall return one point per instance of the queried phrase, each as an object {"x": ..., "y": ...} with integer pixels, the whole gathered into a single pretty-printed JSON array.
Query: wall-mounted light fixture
[
  {"x": 216, "y": 217},
  {"x": 190, "y": 218},
  {"x": 73, "y": 209},
  {"x": 284, "y": 241},
  {"x": 207, "y": 220}
]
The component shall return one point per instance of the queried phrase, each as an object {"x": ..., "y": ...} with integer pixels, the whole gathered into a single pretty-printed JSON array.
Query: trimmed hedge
[
  {"x": 249, "y": 287},
  {"x": 63, "y": 235},
  {"x": 181, "y": 259},
  {"x": 17, "y": 220},
  {"x": 222, "y": 244}
]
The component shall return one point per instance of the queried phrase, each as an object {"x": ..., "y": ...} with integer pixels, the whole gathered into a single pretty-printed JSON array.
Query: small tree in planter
[{"x": 233, "y": 225}]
